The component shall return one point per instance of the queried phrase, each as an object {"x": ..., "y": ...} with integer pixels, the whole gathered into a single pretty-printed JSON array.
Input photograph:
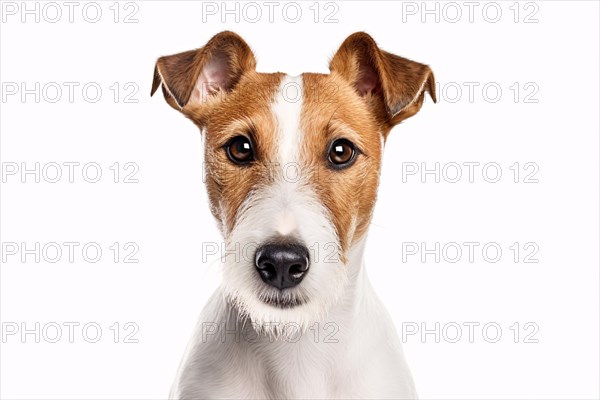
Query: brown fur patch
[
  {"x": 329, "y": 114},
  {"x": 244, "y": 111}
]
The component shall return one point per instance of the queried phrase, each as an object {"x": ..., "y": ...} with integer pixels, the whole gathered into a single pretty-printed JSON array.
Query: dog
[{"x": 293, "y": 167}]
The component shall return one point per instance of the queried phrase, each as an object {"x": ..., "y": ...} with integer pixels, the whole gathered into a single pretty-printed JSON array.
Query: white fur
[
  {"x": 287, "y": 109},
  {"x": 245, "y": 348}
]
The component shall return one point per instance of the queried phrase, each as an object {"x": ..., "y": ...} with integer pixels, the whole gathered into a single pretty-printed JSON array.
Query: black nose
[{"x": 282, "y": 265}]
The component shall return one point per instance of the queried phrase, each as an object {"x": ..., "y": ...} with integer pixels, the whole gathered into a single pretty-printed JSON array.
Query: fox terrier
[{"x": 293, "y": 166}]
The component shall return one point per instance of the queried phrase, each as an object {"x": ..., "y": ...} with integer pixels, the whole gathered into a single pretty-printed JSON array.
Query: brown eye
[
  {"x": 239, "y": 150},
  {"x": 341, "y": 153}
]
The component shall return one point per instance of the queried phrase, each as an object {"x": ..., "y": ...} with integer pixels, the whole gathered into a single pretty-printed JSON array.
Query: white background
[{"x": 167, "y": 216}]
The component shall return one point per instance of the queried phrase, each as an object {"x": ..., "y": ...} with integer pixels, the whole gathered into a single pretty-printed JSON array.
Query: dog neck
[{"x": 303, "y": 364}]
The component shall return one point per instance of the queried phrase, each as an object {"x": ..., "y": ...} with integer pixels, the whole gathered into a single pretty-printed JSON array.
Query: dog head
[{"x": 292, "y": 163}]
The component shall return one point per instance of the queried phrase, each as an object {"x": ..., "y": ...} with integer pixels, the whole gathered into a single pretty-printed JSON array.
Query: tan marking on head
[
  {"x": 244, "y": 111},
  {"x": 333, "y": 110}
]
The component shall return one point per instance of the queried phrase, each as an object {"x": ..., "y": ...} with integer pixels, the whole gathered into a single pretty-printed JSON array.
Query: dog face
[{"x": 292, "y": 164}]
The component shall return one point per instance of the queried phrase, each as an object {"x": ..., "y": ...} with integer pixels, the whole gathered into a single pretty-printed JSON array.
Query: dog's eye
[
  {"x": 239, "y": 150},
  {"x": 341, "y": 153}
]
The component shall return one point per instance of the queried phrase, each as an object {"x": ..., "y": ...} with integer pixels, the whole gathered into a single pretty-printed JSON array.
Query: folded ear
[
  {"x": 393, "y": 85},
  {"x": 192, "y": 77}
]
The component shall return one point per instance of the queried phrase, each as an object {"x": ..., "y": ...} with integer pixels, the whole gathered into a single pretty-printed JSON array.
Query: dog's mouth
[{"x": 280, "y": 300}]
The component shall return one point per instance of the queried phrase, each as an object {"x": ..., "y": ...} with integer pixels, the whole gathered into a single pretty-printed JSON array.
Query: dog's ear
[
  {"x": 192, "y": 77},
  {"x": 393, "y": 86}
]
